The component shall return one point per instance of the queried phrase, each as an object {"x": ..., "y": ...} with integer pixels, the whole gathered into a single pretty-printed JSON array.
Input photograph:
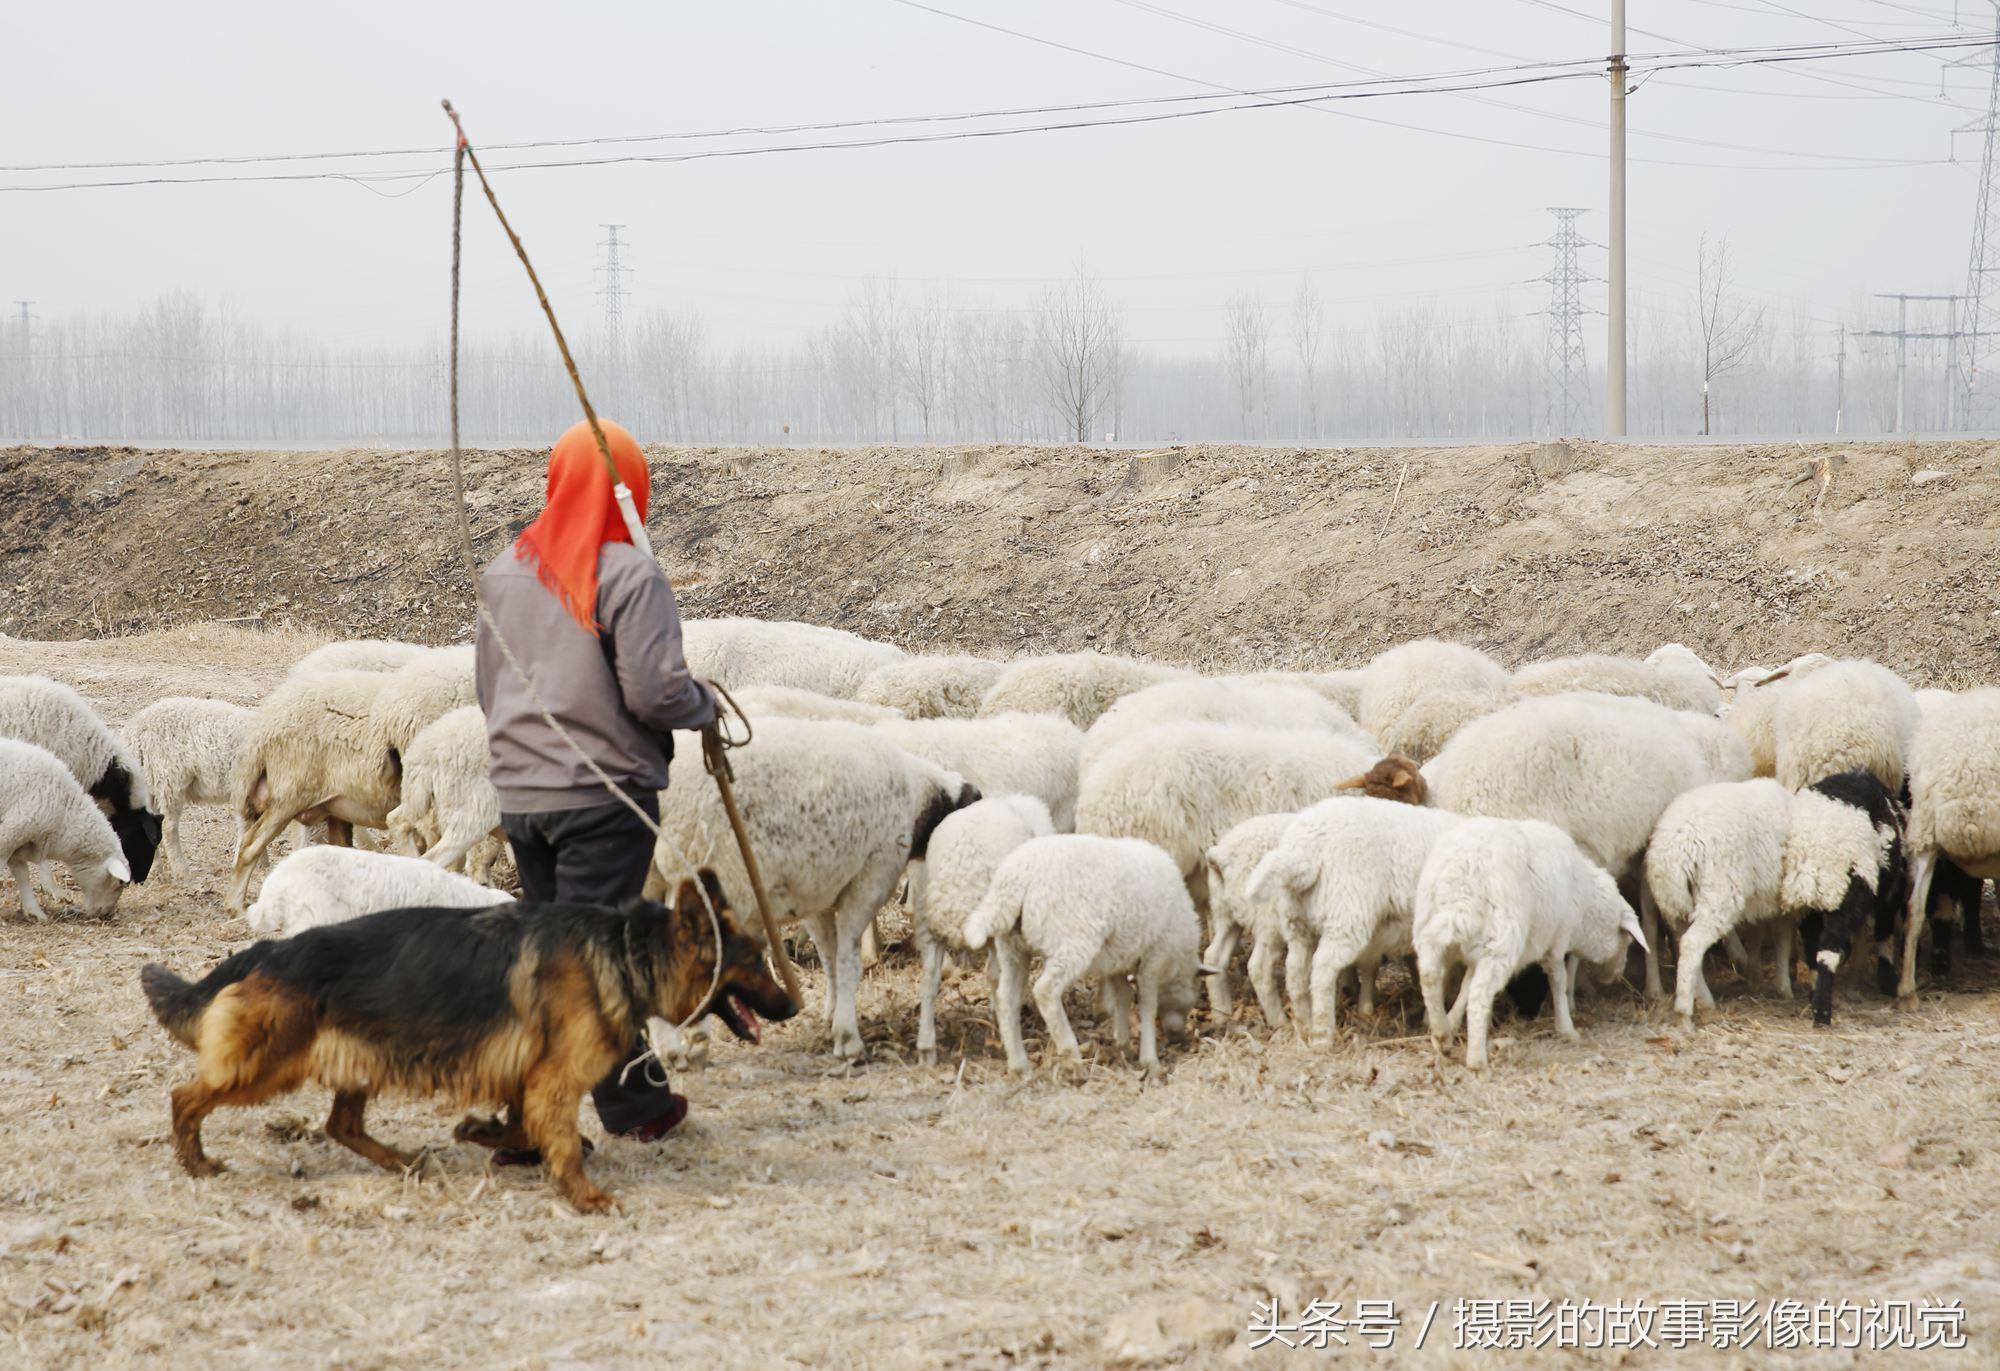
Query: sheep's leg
[
  {"x": 1298, "y": 981},
  {"x": 170, "y": 839},
  {"x": 1739, "y": 954},
  {"x": 1013, "y": 963},
  {"x": 256, "y": 839},
  {"x": 23, "y": 884},
  {"x": 820, "y": 929},
  {"x": 1923, "y": 866},
  {"x": 45, "y": 877},
  {"x": 1328, "y": 962},
  {"x": 1430, "y": 979},
  {"x": 853, "y": 912},
  {"x": 450, "y": 849},
  {"x": 1221, "y": 948},
  {"x": 1149, "y": 1022},
  {"x": 932, "y": 952},
  {"x": 1781, "y": 959},
  {"x": 871, "y": 945},
  {"x": 339, "y": 833},
  {"x": 1118, "y": 1005},
  {"x": 1649, "y": 923},
  {"x": 1456, "y": 1018},
  {"x": 1056, "y": 978},
  {"x": 1557, "y": 968},
  {"x": 1484, "y": 985},
  {"x": 483, "y": 857},
  {"x": 1364, "y": 985},
  {"x": 1700, "y": 936},
  {"x": 1264, "y": 980}
]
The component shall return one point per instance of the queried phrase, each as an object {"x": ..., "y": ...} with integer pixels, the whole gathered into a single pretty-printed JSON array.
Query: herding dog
[{"x": 525, "y": 1006}]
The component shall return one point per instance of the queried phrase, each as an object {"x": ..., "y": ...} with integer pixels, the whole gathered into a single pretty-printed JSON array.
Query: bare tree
[
  {"x": 1729, "y": 327},
  {"x": 1308, "y": 319},
  {"x": 1246, "y": 349},
  {"x": 924, "y": 368},
  {"x": 1077, "y": 345}
]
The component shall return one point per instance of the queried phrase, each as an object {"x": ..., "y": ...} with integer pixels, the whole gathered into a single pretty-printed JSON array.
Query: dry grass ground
[{"x": 901, "y": 1216}]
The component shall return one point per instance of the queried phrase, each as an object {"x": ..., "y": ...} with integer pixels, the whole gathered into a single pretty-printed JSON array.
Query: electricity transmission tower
[
  {"x": 1567, "y": 398},
  {"x": 613, "y": 292},
  {"x": 1979, "y": 406}
]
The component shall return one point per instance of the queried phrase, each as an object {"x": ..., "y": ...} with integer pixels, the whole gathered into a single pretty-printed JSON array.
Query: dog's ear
[{"x": 712, "y": 883}]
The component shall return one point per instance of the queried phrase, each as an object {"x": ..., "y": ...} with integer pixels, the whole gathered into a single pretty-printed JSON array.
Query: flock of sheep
[{"x": 1084, "y": 813}]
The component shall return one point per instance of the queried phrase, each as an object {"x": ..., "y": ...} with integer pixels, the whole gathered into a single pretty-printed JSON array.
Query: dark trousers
[{"x": 598, "y": 855}]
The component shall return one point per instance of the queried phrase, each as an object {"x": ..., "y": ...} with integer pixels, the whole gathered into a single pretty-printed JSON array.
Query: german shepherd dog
[{"x": 522, "y": 1006}]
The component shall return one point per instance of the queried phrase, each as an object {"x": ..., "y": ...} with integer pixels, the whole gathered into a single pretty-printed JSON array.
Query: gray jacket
[{"x": 617, "y": 694}]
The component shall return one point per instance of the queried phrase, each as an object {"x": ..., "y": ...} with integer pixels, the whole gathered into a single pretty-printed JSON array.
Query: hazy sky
[{"x": 1175, "y": 215}]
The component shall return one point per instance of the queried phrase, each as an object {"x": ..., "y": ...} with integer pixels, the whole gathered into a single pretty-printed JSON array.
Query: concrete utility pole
[
  {"x": 1840, "y": 379},
  {"x": 28, "y": 360},
  {"x": 1902, "y": 334},
  {"x": 1614, "y": 307}
]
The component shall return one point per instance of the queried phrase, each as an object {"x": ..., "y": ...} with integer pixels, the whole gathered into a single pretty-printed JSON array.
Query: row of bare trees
[{"x": 933, "y": 366}]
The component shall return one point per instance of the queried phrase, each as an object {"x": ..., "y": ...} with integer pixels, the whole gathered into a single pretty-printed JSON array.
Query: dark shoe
[
  {"x": 529, "y": 1156},
  {"x": 657, "y": 1128}
]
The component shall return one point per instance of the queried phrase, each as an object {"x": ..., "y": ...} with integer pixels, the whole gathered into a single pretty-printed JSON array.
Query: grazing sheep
[
  {"x": 1342, "y": 688},
  {"x": 419, "y": 694},
  {"x": 789, "y": 702},
  {"x": 45, "y": 816},
  {"x": 1232, "y": 912},
  {"x": 1090, "y": 906},
  {"x": 835, "y": 812},
  {"x": 1954, "y": 809},
  {"x": 358, "y": 654},
  {"x": 1672, "y": 684},
  {"x": 1078, "y": 686},
  {"x": 328, "y": 885},
  {"x": 932, "y": 687},
  {"x": 1842, "y": 716},
  {"x": 1503, "y": 895},
  {"x": 1182, "y": 786},
  {"x": 735, "y": 653},
  {"x": 187, "y": 747},
  {"x": 951, "y": 880},
  {"x": 1421, "y": 731},
  {"x": 1753, "y": 710},
  {"x": 1844, "y": 867},
  {"x": 1001, "y": 754},
  {"x": 1202, "y": 700},
  {"x": 1343, "y": 879},
  {"x": 449, "y": 806},
  {"x": 50, "y": 715},
  {"x": 314, "y": 752},
  {"x": 1393, "y": 679}
]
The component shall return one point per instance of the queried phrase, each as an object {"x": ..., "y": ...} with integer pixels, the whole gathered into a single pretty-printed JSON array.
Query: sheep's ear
[
  {"x": 118, "y": 870},
  {"x": 1630, "y": 923},
  {"x": 1204, "y": 969}
]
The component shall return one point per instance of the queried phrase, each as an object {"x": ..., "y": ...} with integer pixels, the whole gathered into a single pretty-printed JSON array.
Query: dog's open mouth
[{"x": 740, "y": 1017}]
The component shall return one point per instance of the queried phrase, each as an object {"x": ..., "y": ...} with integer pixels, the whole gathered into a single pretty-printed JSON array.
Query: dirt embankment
[{"x": 1213, "y": 555}]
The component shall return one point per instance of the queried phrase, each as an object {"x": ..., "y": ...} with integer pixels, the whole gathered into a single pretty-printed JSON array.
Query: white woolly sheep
[
  {"x": 1502, "y": 895},
  {"x": 1753, "y": 708},
  {"x": 1421, "y": 731},
  {"x": 314, "y": 752},
  {"x": 1343, "y": 879},
  {"x": 835, "y": 812},
  {"x": 735, "y": 653},
  {"x": 1393, "y": 679},
  {"x": 449, "y": 805},
  {"x": 1342, "y": 688},
  {"x": 323, "y": 885},
  {"x": 358, "y": 654},
  {"x": 1844, "y": 715},
  {"x": 1078, "y": 686},
  {"x": 419, "y": 694},
  {"x": 932, "y": 687},
  {"x": 187, "y": 747},
  {"x": 45, "y": 816},
  {"x": 1673, "y": 684},
  {"x": 1954, "y": 808},
  {"x": 1001, "y": 754},
  {"x": 49, "y": 714},
  {"x": 789, "y": 702},
  {"x": 1182, "y": 786},
  {"x": 1107, "y": 907},
  {"x": 1203, "y": 700},
  {"x": 952, "y": 879},
  {"x": 1232, "y": 913}
]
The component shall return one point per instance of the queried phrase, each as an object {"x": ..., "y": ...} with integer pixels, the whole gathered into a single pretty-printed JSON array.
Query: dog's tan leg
[
  {"x": 192, "y": 1103},
  {"x": 549, "y": 1103},
  {"x": 347, "y": 1126},
  {"x": 498, "y": 1133}
]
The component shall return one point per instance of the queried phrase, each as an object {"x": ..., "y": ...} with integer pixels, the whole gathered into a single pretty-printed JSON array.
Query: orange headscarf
[{"x": 581, "y": 515}]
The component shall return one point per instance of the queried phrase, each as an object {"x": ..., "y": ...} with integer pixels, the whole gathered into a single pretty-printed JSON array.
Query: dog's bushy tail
[{"x": 177, "y": 1003}]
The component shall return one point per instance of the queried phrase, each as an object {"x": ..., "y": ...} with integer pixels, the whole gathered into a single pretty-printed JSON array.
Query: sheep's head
[
  {"x": 1177, "y": 997},
  {"x": 1392, "y": 778}
]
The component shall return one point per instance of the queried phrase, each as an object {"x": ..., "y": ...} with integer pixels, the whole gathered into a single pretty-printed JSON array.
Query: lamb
[
  {"x": 424, "y": 691},
  {"x": 1954, "y": 818},
  {"x": 46, "y": 816},
  {"x": 1844, "y": 865},
  {"x": 49, "y": 714},
  {"x": 1217, "y": 701},
  {"x": 932, "y": 687},
  {"x": 951, "y": 880},
  {"x": 1753, "y": 711},
  {"x": 1182, "y": 786},
  {"x": 1672, "y": 683},
  {"x": 1394, "y": 679},
  {"x": 1078, "y": 686},
  {"x": 448, "y": 801},
  {"x": 316, "y": 752},
  {"x": 1342, "y": 688},
  {"x": 1844, "y": 715},
  {"x": 736, "y": 652},
  {"x": 1344, "y": 876},
  {"x": 792, "y": 703},
  {"x": 358, "y": 654},
  {"x": 1232, "y": 912},
  {"x": 327, "y": 885},
  {"x": 187, "y": 747},
  {"x": 1108, "y": 907},
  {"x": 835, "y": 812},
  {"x": 1503, "y": 895},
  {"x": 1421, "y": 731},
  {"x": 1001, "y": 754}
]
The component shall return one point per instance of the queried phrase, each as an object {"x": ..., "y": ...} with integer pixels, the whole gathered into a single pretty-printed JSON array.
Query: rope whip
[{"x": 715, "y": 742}]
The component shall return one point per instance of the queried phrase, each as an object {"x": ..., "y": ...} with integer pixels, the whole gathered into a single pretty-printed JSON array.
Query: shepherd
[{"x": 593, "y": 623}]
